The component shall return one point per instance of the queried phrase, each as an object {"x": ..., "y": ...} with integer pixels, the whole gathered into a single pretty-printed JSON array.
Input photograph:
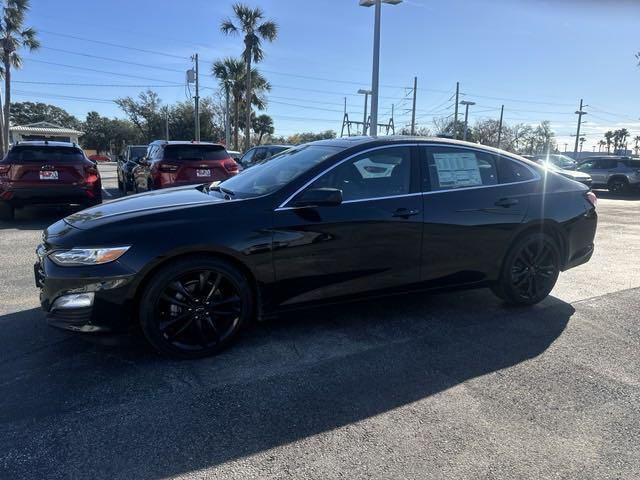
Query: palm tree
[
  {"x": 608, "y": 136},
  {"x": 13, "y": 36},
  {"x": 624, "y": 133},
  {"x": 601, "y": 145},
  {"x": 582, "y": 140},
  {"x": 637, "y": 140},
  {"x": 263, "y": 124},
  {"x": 254, "y": 30},
  {"x": 231, "y": 73}
]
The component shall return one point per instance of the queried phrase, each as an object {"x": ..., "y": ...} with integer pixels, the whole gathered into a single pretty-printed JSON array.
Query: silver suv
[{"x": 618, "y": 174}]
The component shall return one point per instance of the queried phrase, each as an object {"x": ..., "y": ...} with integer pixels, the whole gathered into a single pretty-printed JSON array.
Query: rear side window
[
  {"x": 451, "y": 168},
  {"x": 606, "y": 163},
  {"x": 510, "y": 171},
  {"x": 631, "y": 163},
  {"x": 37, "y": 154},
  {"x": 194, "y": 152}
]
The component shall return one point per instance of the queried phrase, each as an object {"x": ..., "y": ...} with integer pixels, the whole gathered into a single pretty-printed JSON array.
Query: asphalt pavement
[{"x": 446, "y": 386}]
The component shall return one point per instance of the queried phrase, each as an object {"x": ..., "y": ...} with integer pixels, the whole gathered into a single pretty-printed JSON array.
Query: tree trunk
[
  {"x": 236, "y": 123},
  {"x": 7, "y": 101},
  {"x": 247, "y": 126},
  {"x": 2, "y": 150},
  {"x": 260, "y": 138}
]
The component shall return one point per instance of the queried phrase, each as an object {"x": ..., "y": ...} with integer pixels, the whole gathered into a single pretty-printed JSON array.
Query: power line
[
  {"x": 113, "y": 59},
  {"x": 117, "y": 45},
  {"x": 69, "y": 84},
  {"x": 66, "y": 97}
]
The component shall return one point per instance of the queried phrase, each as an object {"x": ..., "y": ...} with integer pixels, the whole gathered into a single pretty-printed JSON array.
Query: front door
[{"x": 371, "y": 241}]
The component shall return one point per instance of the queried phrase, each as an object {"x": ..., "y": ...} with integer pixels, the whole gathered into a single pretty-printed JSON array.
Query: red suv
[
  {"x": 51, "y": 173},
  {"x": 174, "y": 163}
]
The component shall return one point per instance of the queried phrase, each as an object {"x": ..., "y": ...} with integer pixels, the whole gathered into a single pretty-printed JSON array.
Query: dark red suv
[
  {"x": 174, "y": 163},
  {"x": 51, "y": 173}
]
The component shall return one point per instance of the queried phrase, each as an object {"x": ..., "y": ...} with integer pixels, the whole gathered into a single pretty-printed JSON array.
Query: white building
[{"x": 43, "y": 131}]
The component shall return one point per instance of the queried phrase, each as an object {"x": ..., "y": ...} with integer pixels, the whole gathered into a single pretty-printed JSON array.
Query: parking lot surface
[{"x": 443, "y": 386}]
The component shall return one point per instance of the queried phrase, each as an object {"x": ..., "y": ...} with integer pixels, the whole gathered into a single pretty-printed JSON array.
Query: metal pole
[
  {"x": 466, "y": 119},
  {"x": 413, "y": 110},
  {"x": 197, "y": 100},
  {"x": 364, "y": 120},
  {"x": 579, "y": 113},
  {"x": 376, "y": 71},
  {"x": 166, "y": 124},
  {"x": 227, "y": 120},
  {"x": 500, "y": 125},
  {"x": 455, "y": 115}
]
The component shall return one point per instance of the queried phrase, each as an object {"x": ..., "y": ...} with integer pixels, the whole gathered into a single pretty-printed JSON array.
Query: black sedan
[{"x": 327, "y": 221}]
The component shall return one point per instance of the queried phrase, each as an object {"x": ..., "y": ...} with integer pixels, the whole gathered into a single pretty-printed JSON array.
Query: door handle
[
  {"x": 506, "y": 202},
  {"x": 405, "y": 213}
]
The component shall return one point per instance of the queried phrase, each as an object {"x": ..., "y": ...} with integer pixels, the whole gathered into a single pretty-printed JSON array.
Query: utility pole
[
  {"x": 166, "y": 124},
  {"x": 413, "y": 110},
  {"x": 455, "y": 115},
  {"x": 376, "y": 70},
  {"x": 227, "y": 118},
  {"x": 500, "y": 125},
  {"x": 366, "y": 94},
  {"x": 197, "y": 100},
  {"x": 580, "y": 113},
  {"x": 467, "y": 104},
  {"x": 565, "y": 147}
]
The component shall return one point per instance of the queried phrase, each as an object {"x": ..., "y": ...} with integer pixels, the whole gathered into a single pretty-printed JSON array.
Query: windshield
[
  {"x": 195, "y": 152},
  {"x": 36, "y": 154},
  {"x": 270, "y": 176},
  {"x": 138, "y": 152}
]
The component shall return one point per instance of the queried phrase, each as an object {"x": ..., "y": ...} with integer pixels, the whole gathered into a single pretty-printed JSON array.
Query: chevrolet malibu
[{"x": 192, "y": 265}]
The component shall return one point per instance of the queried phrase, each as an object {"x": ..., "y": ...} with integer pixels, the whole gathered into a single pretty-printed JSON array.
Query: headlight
[{"x": 87, "y": 256}]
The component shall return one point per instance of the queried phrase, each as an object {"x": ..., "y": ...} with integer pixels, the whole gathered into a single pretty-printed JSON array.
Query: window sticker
[{"x": 459, "y": 169}]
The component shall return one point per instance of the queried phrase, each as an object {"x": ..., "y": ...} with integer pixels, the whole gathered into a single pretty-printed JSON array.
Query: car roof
[
  {"x": 183, "y": 142},
  {"x": 45, "y": 143}
]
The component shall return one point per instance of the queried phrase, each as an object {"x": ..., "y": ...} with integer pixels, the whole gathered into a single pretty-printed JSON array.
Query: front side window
[
  {"x": 586, "y": 166},
  {"x": 452, "y": 168},
  {"x": 380, "y": 173}
]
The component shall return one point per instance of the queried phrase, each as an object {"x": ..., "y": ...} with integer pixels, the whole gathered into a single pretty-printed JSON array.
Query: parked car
[
  {"x": 192, "y": 265},
  {"x": 50, "y": 173},
  {"x": 581, "y": 177},
  {"x": 175, "y": 163},
  {"x": 235, "y": 155},
  {"x": 99, "y": 158},
  {"x": 260, "y": 154},
  {"x": 126, "y": 163},
  {"x": 561, "y": 161},
  {"x": 618, "y": 174}
]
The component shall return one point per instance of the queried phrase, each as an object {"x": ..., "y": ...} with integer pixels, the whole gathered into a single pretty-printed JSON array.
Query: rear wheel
[
  {"x": 7, "y": 211},
  {"x": 122, "y": 187},
  {"x": 618, "y": 186},
  {"x": 195, "y": 307},
  {"x": 530, "y": 270}
]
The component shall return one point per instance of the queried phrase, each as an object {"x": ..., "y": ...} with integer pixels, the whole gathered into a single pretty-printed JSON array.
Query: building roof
[{"x": 44, "y": 128}]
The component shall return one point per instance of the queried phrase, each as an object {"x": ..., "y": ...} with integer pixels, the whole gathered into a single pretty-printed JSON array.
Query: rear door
[
  {"x": 50, "y": 165},
  {"x": 473, "y": 203},
  {"x": 370, "y": 241}
]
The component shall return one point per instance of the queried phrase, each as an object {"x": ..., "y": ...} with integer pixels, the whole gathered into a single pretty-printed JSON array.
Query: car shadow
[
  {"x": 616, "y": 196},
  {"x": 123, "y": 412}
]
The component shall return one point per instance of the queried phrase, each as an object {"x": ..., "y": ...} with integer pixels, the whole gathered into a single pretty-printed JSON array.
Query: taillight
[
  {"x": 230, "y": 165},
  {"x": 168, "y": 167},
  {"x": 91, "y": 174},
  {"x": 4, "y": 170},
  {"x": 591, "y": 197}
]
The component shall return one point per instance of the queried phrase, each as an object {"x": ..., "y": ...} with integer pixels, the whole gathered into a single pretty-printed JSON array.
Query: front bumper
[{"x": 112, "y": 285}]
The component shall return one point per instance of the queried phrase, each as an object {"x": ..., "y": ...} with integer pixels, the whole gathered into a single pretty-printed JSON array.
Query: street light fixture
[
  {"x": 376, "y": 59},
  {"x": 366, "y": 94},
  {"x": 467, "y": 104}
]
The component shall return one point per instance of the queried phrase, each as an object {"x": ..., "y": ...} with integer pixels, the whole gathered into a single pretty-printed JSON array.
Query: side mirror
[{"x": 319, "y": 197}]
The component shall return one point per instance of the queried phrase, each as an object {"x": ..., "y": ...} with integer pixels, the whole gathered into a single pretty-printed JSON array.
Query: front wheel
[
  {"x": 7, "y": 211},
  {"x": 618, "y": 186},
  {"x": 530, "y": 270},
  {"x": 195, "y": 307}
]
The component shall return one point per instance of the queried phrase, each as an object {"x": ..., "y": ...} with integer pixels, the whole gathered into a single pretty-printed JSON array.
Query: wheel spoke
[
  {"x": 213, "y": 328},
  {"x": 173, "y": 335},
  {"x": 173, "y": 301},
  {"x": 172, "y": 321},
  {"x": 203, "y": 279},
  {"x": 180, "y": 288},
  {"x": 201, "y": 336},
  {"x": 214, "y": 287}
]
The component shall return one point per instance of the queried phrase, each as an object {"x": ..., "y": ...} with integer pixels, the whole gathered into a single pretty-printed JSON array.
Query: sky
[{"x": 537, "y": 57}]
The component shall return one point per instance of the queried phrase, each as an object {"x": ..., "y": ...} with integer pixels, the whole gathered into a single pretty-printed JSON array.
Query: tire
[
  {"x": 530, "y": 270},
  {"x": 195, "y": 307},
  {"x": 7, "y": 211},
  {"x": 618, "y": 186},
  {"x": 122, "y": 187}
]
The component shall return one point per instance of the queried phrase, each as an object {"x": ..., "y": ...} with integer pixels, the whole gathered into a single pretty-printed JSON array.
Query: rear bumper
[{"x": 50, "y": 194}]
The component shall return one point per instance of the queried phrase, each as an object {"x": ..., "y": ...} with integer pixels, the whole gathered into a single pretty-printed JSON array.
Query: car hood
[
  {"x": 141, "y": 204},
  {"x": 575, "y": 175}
]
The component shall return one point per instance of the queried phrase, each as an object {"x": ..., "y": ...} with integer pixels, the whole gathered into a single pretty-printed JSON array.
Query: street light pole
[
  {"x": 366, "y": 94},
  {"x": 375, "y": 77},
  {"x": 467, "y": 104}
]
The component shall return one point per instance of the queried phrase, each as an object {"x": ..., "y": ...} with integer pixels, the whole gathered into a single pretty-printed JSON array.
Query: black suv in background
[
  {"x": 618, "y": 174},
  {"x": 126, "y": 163},
  {"x": 260, "y": 154}
]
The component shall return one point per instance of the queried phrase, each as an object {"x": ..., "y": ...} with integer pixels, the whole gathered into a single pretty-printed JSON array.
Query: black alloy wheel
[
  {"x": 195, "y": 307},
  {"x": 530, "y": 271},
  {"x": 618, "y": 186}
]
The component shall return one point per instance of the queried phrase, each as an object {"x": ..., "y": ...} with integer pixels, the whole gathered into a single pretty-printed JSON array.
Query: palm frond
[
  {"x": 268, "y": 31},
  {"x": 228, "y": 28}
]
